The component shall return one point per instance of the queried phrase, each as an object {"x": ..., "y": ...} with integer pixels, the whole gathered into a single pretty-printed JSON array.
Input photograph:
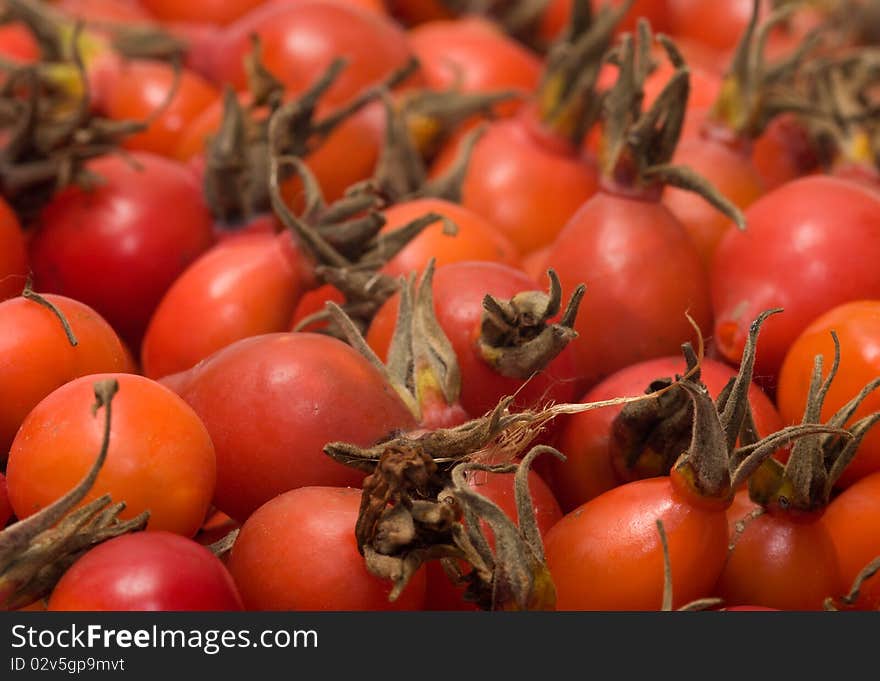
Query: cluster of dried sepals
[{"x": 418, "y": 505}]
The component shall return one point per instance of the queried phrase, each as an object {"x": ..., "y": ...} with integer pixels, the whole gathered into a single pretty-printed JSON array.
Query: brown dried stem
[
  {"x": 36, "y": 551},
  {"x": 29, "y": 294}
]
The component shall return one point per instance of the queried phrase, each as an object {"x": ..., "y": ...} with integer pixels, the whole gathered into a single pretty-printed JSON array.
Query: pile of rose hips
[{"x": 368, "y": 305}]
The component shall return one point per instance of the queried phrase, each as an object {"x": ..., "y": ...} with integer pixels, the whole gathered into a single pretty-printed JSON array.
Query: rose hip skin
[
  {"x": 459, "y": 289},
  {"x": 272, "y": 402},
  {"x": 118, "y": 246},
  {"x": 154, "y": 571},
  {"x": 311, "y": 528},
  {"x": 642, "y": 273},
  {"x": 810, "y": 245}
]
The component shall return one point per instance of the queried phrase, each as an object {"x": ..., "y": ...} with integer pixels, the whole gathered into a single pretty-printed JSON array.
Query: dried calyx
[
  {"x": 422, "y": 366},
  {"x": 499, "y": 435},
  {"x": 517, "y": 337},
  {"x": 53, "y": 30},
  {"x": 415, "y": 127},
  {"x": 713, "y": 467},
  {"x": 417, "y": 505},
  {"x": 648, "y": 437},
  {"x": 753, "y": 91},
  {"x": 846, "y": 118},
  {"x": 50, "y": 137},
  {"x": 637, "y": 145},
  {"x": 432, "y": 116},
  {"x": 413, "y": 511},
  {"x": 345, "y": 243},
  {"x": 568, "y": 102},
  {"x": 238, "y": 157},
  {"x": 857, "y": 21},
  {"x": 520, "y": 19},
  {"x": 36, "y": 551},
  {"x": 804, "y": 484}
]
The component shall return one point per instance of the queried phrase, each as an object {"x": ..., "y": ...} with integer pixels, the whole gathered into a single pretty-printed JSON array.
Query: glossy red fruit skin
[
  {"x": 18, "y": 44},
  {"x": 584, "y": 438},
  {"x": 459, "y": 289},
  {"x": 299, "y": 41},
  {"x": 245, "y": 286},
  {"x": 524, "y": 180},
  {"x": 312, "y": 302},
  {"x": 160, "y": 456},
  {"x": 606, "y": 554},
  {"x": 311, "y": 528},
  {"x": 220, "y": 12},
  {"x": 642, "y": 273},
  {"x": 119, "y": 246},
  {"x": 853, "y": 520},
  {"x": 718, "y": 26},
  {"x": 785, "y": 152},
  {"x": 147, "y": 571},
  {"x": 731, "y": 171},
  {"x": 475, "y": 238},
  {"x": 141, "y": 88},
  {"x": 810, "y": 245},
  {"x": 36, "y": 356},
  {"x": 782, "y": 561},
  {"x": 472, "y": 54},
  {"x": 272, "y": 402}
]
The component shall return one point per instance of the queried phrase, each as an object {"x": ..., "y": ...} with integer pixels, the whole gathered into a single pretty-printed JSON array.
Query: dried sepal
[
  {"x": 499, "y": 435},
  {"x": 568, "y": 101},
  {"x": 516, "y": 336},
  {"x": 401, "y": 523},
  {"x": 754, "y": 455},
  {"x": 345, "y": 241},
  {"x": 444, "y": 445},
  {"x": 51, "y": 131},
  {"x": 223, "y": 546},
  {"x": 422, "y": 366},
  {"x": 401, "y": 172},
  {"x": 755, "y": 91},
  {"x": 433, "y": 116},
  {"x": 688, "y": 179},
  {"x": 238, "y": 157},
  {"x": 520, "y": 579},
  {"x": 736, "y": 404},
  {"x": 35, "y": 551},
  {"x": 639, "y": 144},
  {"x": 648, "y": 437},
  {"x": 713, "y": 466},
  {"x": 412, "y": 512},
  {"x": 806, "y": 482}
]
